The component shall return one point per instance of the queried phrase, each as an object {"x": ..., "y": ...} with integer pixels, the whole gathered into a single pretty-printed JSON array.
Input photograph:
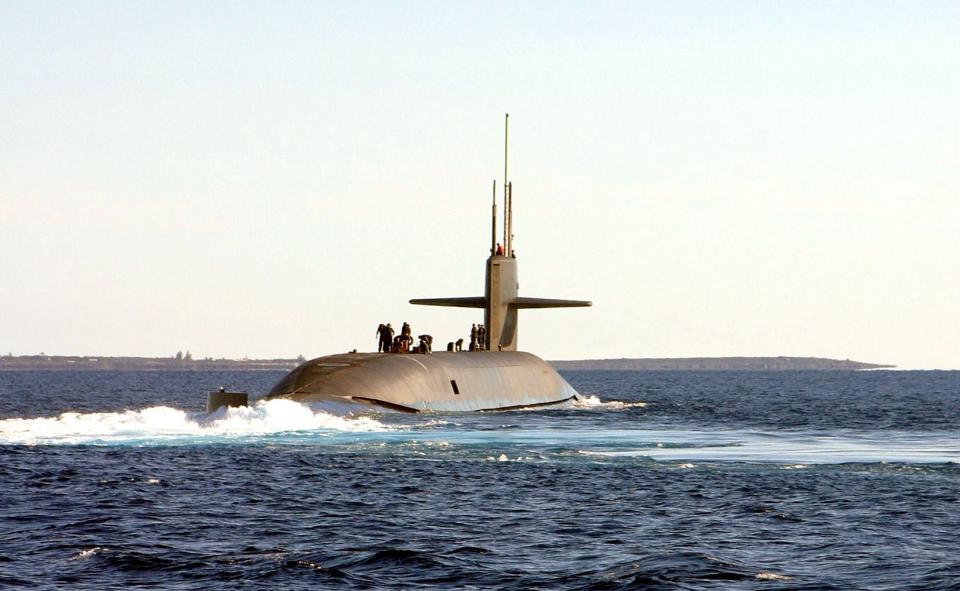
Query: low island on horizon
[
  {"x": 188, "y": 363},
  {"x": 717, "y": 364}
]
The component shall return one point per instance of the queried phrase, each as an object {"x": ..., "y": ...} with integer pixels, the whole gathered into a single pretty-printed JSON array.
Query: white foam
[
  {"x": 86, "y": 553},
  {"x": 765, "y": 576},
  {"x": 165, "y": 423},
  {"x": 595, "y": 402}
]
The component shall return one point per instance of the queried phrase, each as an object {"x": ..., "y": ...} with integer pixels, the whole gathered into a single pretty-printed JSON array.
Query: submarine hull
[{"x": 442, "y": 381}]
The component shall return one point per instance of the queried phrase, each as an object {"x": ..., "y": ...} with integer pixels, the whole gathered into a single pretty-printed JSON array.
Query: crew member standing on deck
[
  {"x": 473, "y": 337},
  {"x": 482, "y": 337},
  {"x": 386, "y": 338},
  {"x": 426, "y": 344}
]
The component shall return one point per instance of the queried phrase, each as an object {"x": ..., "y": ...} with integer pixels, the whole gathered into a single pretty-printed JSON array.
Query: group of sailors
[
  {"x": 389, "y": 342},
  {"x": 478, "y": 337}
]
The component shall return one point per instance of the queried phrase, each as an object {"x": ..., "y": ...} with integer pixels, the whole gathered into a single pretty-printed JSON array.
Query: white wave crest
[
  {"x": 164, "y": 423},
  {"x": 83, "y": 554},
  {"x": 595, "y": 402},
  {"x": 765, "y": 576}
]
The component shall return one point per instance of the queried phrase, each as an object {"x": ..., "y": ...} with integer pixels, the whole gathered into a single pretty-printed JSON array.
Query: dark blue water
[{"x": 714, "y": 480}]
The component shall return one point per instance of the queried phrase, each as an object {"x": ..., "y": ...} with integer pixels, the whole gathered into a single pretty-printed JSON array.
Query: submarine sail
[{"x": 496, "y": 376}]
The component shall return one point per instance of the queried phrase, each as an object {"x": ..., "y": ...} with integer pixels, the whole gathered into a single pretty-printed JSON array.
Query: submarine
[{"x": 494, "y": 377}]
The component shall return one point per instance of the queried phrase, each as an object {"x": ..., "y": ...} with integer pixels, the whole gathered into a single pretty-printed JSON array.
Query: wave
[
  {"x": 795, "y": 450},
  {"x": 163, "y": 424},
  {"x": 287, "y": 421},
  {"x": 595, "y": 402}
]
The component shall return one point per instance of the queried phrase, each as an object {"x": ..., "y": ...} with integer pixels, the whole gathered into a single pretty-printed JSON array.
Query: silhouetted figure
[
  {"x": 459, "y": 345},
  {"x": 473, "y": 337},
  {"x": 426, "y": 343},
  {"x": 405, "y": 331},
  {"x": 385, "y": 332},
  {"x": 482, "y": 337},
  {"x": 450, "y": 348}
]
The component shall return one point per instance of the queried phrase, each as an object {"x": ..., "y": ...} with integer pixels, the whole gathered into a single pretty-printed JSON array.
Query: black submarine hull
[{"x": 438, "y": 382}]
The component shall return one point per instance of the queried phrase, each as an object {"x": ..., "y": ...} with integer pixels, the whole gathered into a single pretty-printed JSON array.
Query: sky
[{"x": 270, "y": 179}]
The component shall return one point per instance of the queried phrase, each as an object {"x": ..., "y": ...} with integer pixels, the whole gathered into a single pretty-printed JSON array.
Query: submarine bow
[{"x": 441, "y": 381}]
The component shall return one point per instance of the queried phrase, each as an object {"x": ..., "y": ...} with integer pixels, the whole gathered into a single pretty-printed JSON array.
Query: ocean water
[{"x": 686, "y": 480}]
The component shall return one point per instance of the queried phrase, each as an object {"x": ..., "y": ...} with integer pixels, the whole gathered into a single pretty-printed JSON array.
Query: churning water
[{"x": 713, "y": 480}]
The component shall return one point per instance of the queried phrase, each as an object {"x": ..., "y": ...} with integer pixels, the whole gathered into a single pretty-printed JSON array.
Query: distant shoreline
[
  {"x": 91, "y": 363},
  {"x": 719, "y": 364}
]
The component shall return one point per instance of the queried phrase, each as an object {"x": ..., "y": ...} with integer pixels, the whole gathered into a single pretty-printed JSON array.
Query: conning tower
[{"x": 501, "y": 301}]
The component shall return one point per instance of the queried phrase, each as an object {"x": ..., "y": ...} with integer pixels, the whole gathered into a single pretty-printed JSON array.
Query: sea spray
[
  {"x": 591, "y": 401},
  {"x": 166, "y": 424}
]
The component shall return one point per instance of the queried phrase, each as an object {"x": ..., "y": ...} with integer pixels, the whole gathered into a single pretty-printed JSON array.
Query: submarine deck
[{"x": 441, "y": 381}]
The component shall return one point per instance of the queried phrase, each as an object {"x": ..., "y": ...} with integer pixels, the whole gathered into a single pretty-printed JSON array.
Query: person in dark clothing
[
  {"x": 426, "y": 343},
  {"x": 482, "y": 337},
  {"x": 473, "y": 337},
  {"x": 406, "y": 331},
  {"x": 386, "y": 338}
]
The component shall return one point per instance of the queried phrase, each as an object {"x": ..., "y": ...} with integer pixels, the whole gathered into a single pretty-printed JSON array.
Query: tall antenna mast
[
  {"x": 493, "y": 234},
  {"x": 507, "y": 205},
  {"x": 510, "y": 193}
]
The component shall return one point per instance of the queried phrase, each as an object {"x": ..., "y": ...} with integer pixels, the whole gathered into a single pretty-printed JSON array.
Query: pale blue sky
[{"x": 276, "y": 178}]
